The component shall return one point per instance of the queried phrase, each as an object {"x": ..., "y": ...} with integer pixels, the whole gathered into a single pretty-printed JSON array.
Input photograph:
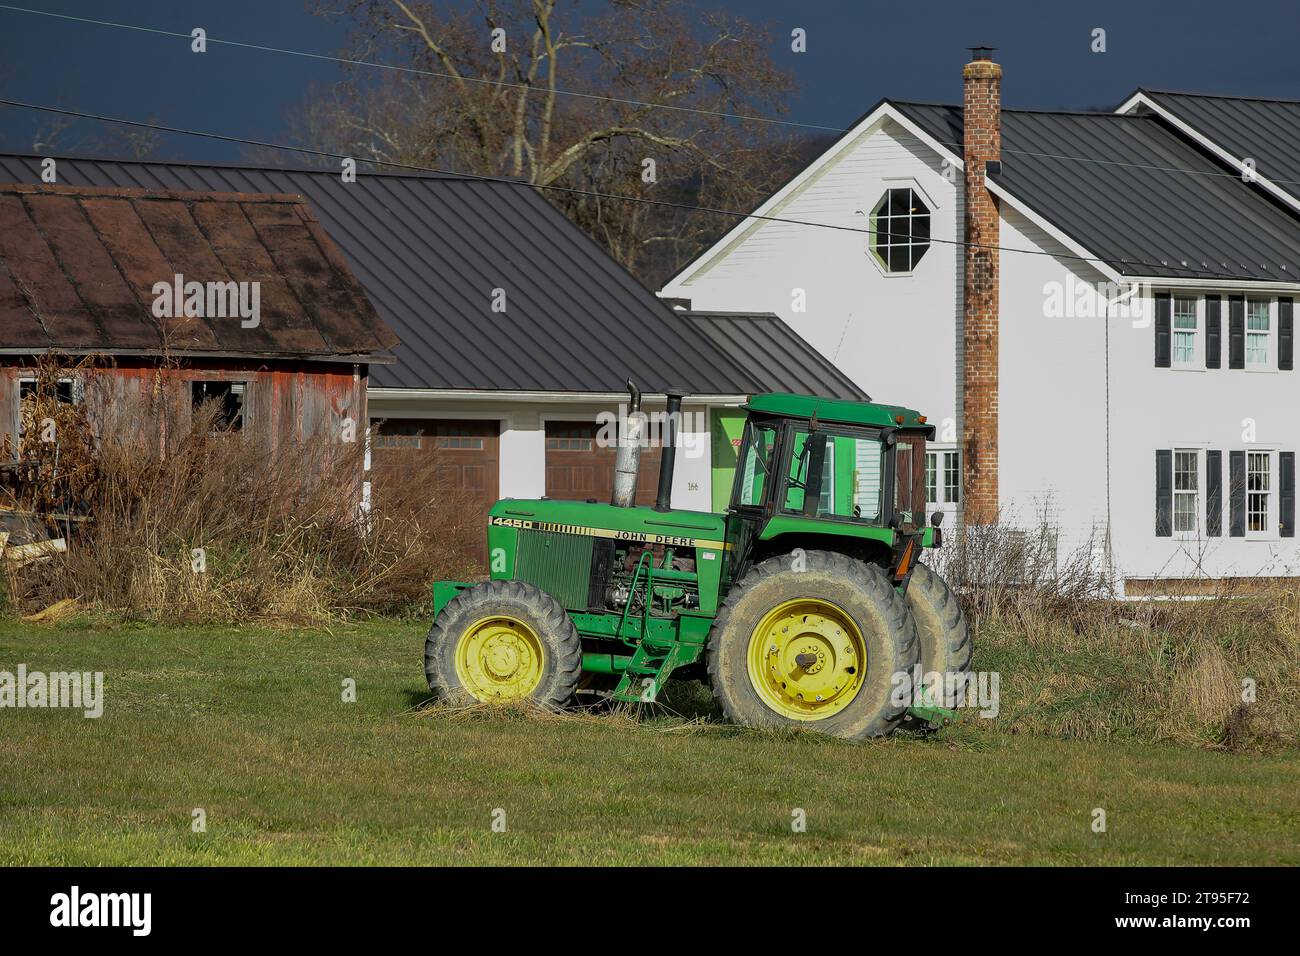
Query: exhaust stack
[
  {"x": 627, "y": 459},
  {"x": 674, "y": 415}
]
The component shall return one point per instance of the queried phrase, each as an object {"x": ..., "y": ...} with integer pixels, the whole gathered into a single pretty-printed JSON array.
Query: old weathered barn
[{"x": 190, "y": 296}]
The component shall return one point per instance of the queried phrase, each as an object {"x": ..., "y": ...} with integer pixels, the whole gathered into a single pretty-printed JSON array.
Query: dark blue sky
[{"x": 857, "y": 52}]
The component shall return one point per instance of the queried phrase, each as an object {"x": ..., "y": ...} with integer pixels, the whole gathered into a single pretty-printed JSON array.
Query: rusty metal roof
[{"x": 79, "y": 265}]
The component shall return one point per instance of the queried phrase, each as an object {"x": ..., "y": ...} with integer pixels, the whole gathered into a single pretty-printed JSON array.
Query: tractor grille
[{"x": 559, "y": 564}]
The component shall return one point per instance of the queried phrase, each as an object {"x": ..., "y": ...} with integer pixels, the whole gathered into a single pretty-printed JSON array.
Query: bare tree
[{"x": 667, "y": 68}]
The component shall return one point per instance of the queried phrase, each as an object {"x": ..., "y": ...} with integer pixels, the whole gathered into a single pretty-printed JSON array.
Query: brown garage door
[
  {"x": 578, "y": 469},
  {"x": 465, "y": 455}
]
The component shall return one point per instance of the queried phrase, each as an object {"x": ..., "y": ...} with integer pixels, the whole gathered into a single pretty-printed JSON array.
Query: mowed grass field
[{"x": 249, "y": 726}]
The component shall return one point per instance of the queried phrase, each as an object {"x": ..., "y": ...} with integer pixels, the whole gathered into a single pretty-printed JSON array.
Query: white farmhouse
[{"x": 1097, "y": 309}]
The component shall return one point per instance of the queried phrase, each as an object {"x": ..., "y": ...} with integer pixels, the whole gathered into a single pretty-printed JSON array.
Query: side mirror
[{"x": 936, "y": 519}]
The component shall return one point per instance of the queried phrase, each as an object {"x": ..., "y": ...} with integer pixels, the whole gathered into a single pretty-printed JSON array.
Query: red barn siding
[{"x": 282, "y": 402}]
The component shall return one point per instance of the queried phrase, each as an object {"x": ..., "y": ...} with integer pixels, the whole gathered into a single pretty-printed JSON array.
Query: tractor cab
[{"x": 814, "y": 469}]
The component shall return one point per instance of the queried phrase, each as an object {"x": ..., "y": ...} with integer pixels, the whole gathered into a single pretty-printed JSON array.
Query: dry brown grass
[
  {"x": 282, "y": 533},
  {"x": 1075, "y": 662},
  {"x": 1157, "y": 670}
]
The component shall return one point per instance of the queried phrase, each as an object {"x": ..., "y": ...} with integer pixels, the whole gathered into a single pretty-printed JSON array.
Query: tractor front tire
[
  {"x": 946, "y": 645},
  {"x": 503, "y": 642},
  {"x": 814, "y": 639}
]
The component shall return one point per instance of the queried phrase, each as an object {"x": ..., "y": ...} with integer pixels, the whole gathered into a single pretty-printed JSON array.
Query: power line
[
  {"x": 348, "y": 61},
  {"x": 373, "y": 64},
  {"x": 592, "y": 193}
]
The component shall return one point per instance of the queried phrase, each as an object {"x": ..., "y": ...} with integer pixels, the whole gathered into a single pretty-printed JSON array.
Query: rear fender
[{"x": 444, "y": 591}]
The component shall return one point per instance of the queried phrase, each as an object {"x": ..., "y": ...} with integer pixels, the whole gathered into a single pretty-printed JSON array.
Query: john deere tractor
[{"x": 807, "y": 602}]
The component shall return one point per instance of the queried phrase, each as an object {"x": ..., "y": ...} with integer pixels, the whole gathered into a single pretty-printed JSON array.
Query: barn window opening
[
  {"x": 65, "y": 390},
  {"x": 900, "y": 230},
  {"x": 228, "y": 399}
]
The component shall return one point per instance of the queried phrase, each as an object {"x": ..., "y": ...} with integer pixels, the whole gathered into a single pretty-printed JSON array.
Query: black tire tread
[
  {"x": 933, "y": 603},
  {"x": 556, "y": 631},
  {"x": 869, "y": 577}
]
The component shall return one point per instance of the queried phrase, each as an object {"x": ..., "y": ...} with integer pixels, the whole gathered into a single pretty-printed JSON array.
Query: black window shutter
[
  {"x": 1286, "y": 518},
  {"x": 1164, "y": 493},
  {"x": 1237, "y": 494},
  {"x": 1164, "y": 316},
  {"x": 1285, "y": 335},
  {"x": 1214, "y": 493},
  {"x": 1236, "y": 331},
  {"x": 1213, "y": 332}
]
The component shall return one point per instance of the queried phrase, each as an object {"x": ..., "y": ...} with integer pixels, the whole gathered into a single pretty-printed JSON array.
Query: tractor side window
[
  {"x": 756, "y": 463},
  {"x": 909, "y": 479},
  {"x": 835, "y": 476}
]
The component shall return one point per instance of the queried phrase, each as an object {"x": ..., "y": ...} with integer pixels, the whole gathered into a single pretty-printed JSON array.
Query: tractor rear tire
[
  {"x": 777, "y": 619},
  {"x": 946, "y": 646},
  {"x": 501, "y": 642}
]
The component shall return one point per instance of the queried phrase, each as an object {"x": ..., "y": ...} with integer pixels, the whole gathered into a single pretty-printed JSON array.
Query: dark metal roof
[
  {"x": 1147, "y": 202},
  {"x": 1265, "y": 130},
  {"x": 764, "y": 347},
  {"x": 79, "y": 265},
  {"x": 429, "y": 251}
]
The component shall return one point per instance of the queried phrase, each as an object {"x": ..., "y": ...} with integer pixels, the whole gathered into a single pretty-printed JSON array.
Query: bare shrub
[
  {"x": 281, "y": 531},
  {"x": 998, "y": 569},
  {"x": 55, "y": 446}
]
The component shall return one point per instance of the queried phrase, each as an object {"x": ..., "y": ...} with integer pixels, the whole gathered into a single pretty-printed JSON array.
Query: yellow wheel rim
[
  {"x": 500, "y": 658},
  {"x": 807, "y": 659}
]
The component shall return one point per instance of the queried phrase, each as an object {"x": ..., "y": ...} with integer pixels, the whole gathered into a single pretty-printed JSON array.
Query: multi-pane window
[
  {"x": 951, "y": 477},
  {"x": 570, "y": 436},
  {"x": 1257, "y": 332},
  {"x": 1258, "y": 491},
  {"x": 1186, "y": 487},
  {"x": 459, "y": 437},
  {"x": 1184, "y": 330},
  {"x": 942, "y": 477},
  {"x": 900, "y": 230}
]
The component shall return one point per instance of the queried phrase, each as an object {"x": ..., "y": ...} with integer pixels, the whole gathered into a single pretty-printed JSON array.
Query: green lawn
[{"x": 249, "y": 725}]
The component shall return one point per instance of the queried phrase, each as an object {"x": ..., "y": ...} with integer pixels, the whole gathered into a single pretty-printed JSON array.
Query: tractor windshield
[{"x": 756, "y": 462}]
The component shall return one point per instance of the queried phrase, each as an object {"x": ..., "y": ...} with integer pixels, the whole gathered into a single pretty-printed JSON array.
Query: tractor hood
[{"x": 677, "y": 528}]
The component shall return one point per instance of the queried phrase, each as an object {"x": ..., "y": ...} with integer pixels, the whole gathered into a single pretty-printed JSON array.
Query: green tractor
[{"x": 806, "y": 603}]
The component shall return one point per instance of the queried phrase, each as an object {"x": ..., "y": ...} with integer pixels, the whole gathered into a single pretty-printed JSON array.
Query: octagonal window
[{"x": 900, "y": 230}]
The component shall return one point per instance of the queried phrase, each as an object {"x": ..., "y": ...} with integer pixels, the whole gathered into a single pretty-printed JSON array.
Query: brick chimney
[{"x": 982, "y": 144}]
